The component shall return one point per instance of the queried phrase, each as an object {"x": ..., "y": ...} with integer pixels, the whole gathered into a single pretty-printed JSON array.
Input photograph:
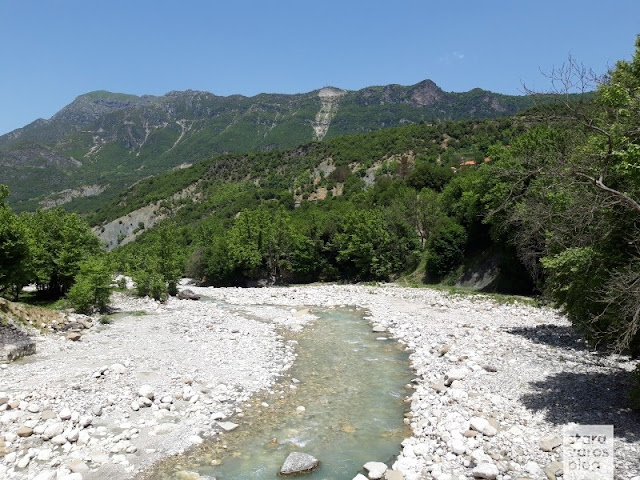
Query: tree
[
  {"x": 60, "y": 242},
  {"x": 92, "y": 287},
  {"x": 445, "y": 249},
  {"x": 14, "y": 249},
  {"x": 571, "y": 196}
]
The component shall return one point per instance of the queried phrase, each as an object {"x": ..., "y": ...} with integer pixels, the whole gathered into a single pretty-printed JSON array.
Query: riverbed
[
  {"x": 343, "y": 402},
  {"x": 514, "y": 367}
]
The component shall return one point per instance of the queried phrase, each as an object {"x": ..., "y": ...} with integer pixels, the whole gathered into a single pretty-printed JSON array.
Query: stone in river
[
  {"x": 228, "y": 426},
  {"x": 298, "y": 462},
  {"x": 188, "y": 295},
  {"x": 376, "y": 469},
  {"x": 393, "y": 475}
]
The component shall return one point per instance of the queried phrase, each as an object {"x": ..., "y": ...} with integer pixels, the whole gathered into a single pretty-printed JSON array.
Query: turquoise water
[{"x": 352, "y": 387}]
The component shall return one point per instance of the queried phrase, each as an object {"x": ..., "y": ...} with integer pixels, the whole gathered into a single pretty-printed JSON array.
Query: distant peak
[
  {"x": 331, "y": 92},
  {"x": 106, "y": 95}
]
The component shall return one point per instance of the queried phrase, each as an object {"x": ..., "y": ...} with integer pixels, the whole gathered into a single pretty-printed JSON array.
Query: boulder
[
  {"x": 298, "y": 462},
  {"x": 74, "y": 336},
  {"x": 187, "y": 295}
]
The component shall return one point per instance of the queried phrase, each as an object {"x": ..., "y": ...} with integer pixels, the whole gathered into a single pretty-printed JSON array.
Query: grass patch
[{"x": 35, "y": 299}]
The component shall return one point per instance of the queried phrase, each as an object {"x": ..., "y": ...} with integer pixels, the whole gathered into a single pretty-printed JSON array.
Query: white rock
[
  {"x": 73, "y": 434},
  {"x": 375, "y": 470},
  {"x": 486, "y": 470},
  {"x": 59, "y": 440},
  {"x": 482, "y": 425},
  {"x": 78, "y": 466},
  {"x": 34, "y": 407},
  {"x": 83, "y": 438},
  {"x": 44, "y": 454},
  {"x": 65, "y": 414},
  {"x": 228, "y": 426},
  {"x": 118, "y": 368},
  {"x": 532, "y": 468},
  {"x": 98, "y": 457},
  {"x": 24, "y": 461},
  {"x": 455, "y": 374},
  {"x": 85, "y": 421},
  {"x": 46, "y": 475},
  {"x": 359, "y": 477},
  {"x": 53, "y": 430},
  {"x": 458, "y": 447},
  {"x": 146, "y": 391},
  {"x": 135, "y": 406}
]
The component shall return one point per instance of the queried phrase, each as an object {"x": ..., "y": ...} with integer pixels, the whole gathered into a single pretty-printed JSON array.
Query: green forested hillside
[{"x": 104, "y": 142}]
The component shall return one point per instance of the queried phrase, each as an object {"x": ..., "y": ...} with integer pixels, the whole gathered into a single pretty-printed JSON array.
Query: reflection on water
[{"x": 352, "y": 388}]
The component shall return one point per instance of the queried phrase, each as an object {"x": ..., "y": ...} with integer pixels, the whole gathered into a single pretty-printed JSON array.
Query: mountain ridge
[{"x": 115, "y": 139}]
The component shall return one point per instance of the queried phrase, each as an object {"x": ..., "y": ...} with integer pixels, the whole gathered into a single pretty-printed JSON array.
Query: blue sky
[{"x": 54, "y": 50}]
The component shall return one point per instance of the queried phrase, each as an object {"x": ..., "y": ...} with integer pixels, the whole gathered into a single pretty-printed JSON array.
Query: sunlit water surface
[{"x": 352, "y": 385}]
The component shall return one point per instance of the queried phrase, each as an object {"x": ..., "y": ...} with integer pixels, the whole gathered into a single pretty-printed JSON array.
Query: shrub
[
  {"x": 92, "y": 287},
  {"x": 150, "y": 284}
]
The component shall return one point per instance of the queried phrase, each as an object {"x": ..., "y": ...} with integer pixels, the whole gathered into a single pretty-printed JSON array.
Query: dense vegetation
[{"x": 552, "y": 196}]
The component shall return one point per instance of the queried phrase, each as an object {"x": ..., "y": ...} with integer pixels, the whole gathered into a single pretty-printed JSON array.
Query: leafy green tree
[
  {"x": 445, "y": 249},
  {"x": 428, "y": 175},
  {"x": 14, "y": 249},
  {"x": 60, "y": 242},
  {"x": 570, "y": 200},
  {"x": 92, "y": 287}
]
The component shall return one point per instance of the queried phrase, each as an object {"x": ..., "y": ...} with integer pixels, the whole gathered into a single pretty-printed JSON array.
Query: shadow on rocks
[
  {"x": 588, "y": 399},
  {"x": 553, "y": 335}
]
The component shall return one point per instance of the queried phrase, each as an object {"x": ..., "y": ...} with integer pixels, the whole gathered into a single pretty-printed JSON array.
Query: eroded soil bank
[{"x": 77, "y": 409}]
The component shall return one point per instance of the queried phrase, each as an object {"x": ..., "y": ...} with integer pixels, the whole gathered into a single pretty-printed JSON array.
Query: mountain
[{"x": 104, "y": 142}]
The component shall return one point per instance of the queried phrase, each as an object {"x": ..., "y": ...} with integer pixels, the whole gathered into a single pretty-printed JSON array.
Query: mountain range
[{"x": 103, "y": 142}]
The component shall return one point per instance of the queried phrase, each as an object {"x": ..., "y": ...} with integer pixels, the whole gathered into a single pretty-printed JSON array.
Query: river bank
[
  {"x": 514, "y": 371},
  {"x": 514, "y": 368}
]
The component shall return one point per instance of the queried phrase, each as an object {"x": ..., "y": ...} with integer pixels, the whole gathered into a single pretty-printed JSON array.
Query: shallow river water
[{"x": 352, "y": 386}]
